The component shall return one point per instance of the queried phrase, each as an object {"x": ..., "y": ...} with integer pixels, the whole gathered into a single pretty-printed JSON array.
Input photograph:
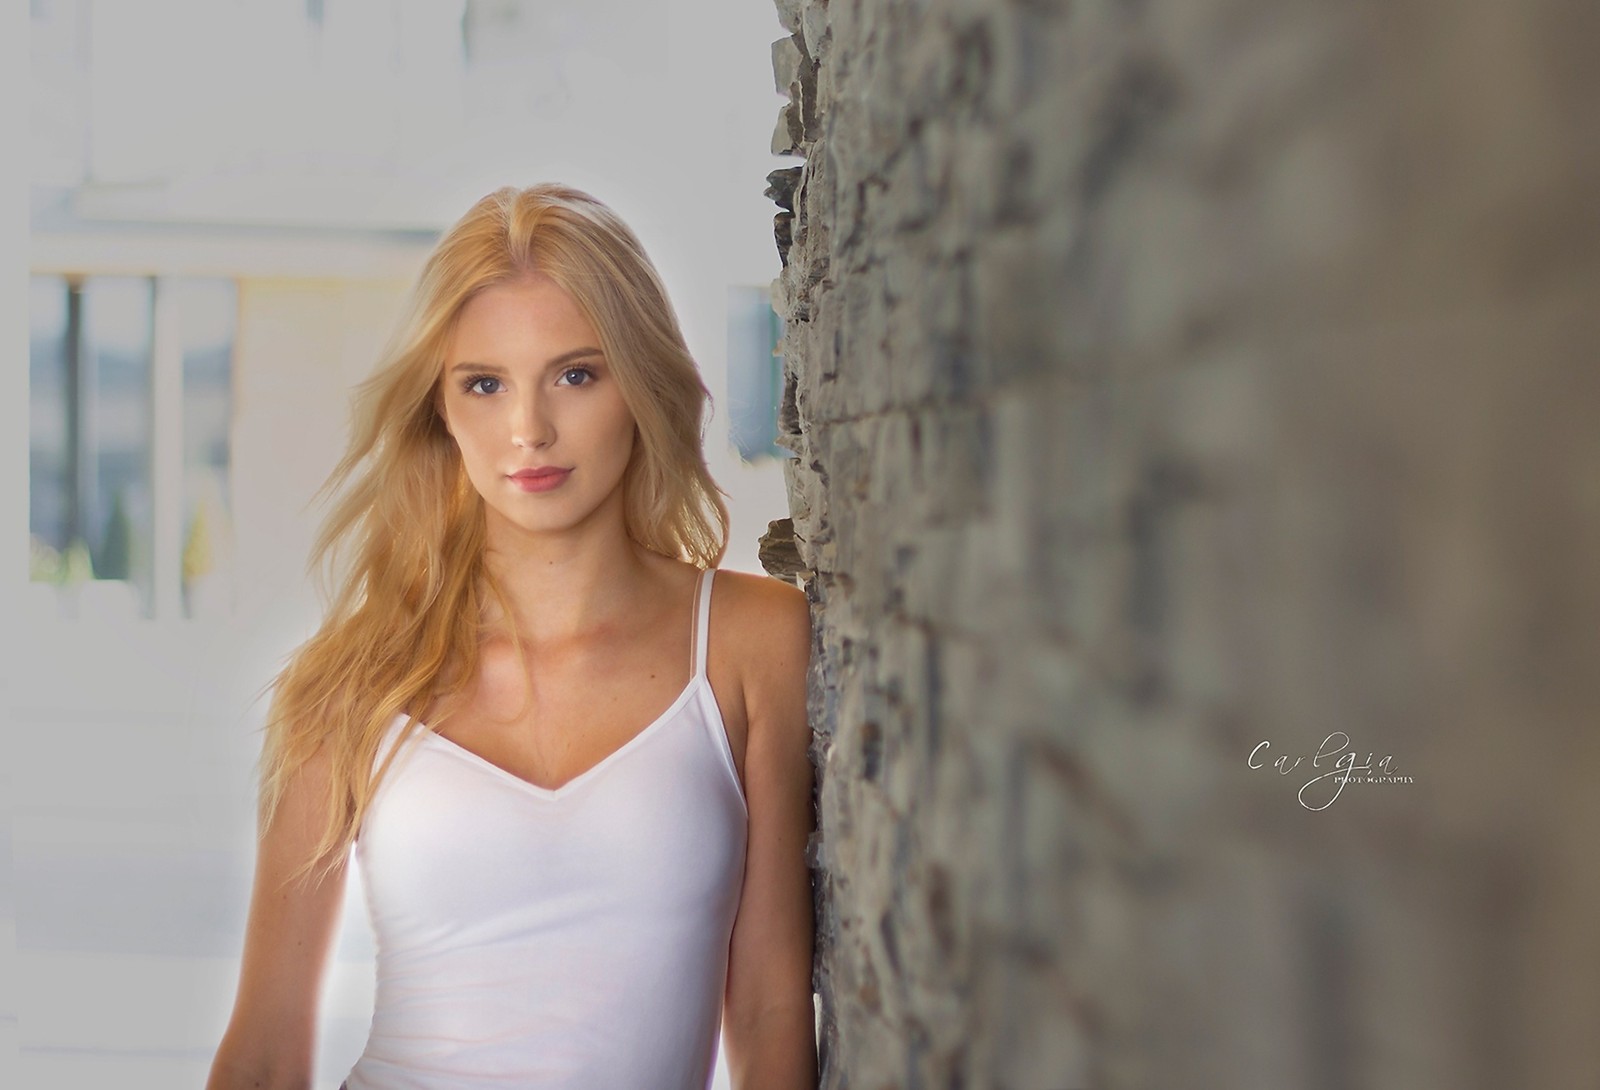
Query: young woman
[{"x": 570, "y": 755}]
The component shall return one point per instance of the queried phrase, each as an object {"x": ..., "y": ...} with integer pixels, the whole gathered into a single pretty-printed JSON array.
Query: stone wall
[{"x": 1167, "y": 378}]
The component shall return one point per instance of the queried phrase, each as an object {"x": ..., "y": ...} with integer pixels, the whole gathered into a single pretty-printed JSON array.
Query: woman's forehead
[{"x": 538, "y": 314}]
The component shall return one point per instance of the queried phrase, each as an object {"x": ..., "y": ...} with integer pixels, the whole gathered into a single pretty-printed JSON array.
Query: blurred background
[{"x": 222, "y": 206}]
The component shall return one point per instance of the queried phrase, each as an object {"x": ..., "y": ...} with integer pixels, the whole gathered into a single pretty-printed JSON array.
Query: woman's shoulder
[
  {"x": 759, "y": 603},
  {"x": 766, "y": 624}
]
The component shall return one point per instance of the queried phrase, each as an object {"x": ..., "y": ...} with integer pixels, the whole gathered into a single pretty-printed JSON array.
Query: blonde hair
[{"x": 407, "y": 537}]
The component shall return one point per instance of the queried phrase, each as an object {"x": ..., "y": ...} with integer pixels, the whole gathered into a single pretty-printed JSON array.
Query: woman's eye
[
  {"x": 472, "y": 384},
  {"x": 578, "y": 371}
]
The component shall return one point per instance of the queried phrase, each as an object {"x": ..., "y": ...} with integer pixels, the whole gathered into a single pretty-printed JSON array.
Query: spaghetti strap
[{"x": 702, "y": 629}]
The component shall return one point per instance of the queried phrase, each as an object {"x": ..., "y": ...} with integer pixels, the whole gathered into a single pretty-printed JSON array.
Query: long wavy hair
[{"x": 404, "y": 545}]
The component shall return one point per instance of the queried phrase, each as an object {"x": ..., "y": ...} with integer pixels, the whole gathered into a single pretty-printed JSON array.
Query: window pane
[
  {"x": 49, "y": 502},
  {"x": 207, "y": 313},
  {"x": 754, "y": 374},
  {"x": 118, "y": 507}
]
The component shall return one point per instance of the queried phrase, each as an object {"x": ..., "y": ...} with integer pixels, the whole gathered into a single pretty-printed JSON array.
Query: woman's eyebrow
[{"x": 565, "y": 357}]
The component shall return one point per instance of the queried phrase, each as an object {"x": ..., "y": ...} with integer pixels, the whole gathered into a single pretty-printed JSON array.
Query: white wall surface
[{"x": 129, "y": 749}]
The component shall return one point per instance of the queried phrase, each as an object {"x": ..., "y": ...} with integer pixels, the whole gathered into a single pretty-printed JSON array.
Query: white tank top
[{"x": 573, "y": 938}]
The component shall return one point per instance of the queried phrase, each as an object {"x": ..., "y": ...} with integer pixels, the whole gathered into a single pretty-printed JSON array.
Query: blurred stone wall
[{"x": 1169, "y": 378}]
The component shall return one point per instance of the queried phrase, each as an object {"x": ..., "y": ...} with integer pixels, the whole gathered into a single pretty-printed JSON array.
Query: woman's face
[{"x": 525, "y": 387}]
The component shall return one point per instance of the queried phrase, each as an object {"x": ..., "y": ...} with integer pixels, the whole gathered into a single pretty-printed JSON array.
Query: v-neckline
[{"x": 556, "y": 793}]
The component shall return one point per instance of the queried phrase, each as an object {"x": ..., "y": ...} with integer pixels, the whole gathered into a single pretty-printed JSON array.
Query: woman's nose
[{"x": 530, "y": 424}]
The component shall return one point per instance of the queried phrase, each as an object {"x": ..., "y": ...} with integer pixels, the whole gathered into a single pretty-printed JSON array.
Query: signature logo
[{"x": 1344, "y": 768}]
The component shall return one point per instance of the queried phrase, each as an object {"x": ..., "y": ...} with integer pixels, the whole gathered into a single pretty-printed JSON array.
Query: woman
[{"x": 571, "y": 756}]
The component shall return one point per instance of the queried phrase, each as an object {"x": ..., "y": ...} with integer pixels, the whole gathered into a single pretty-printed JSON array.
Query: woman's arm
[
  {"x": 270, "y": 1041},
  {"x": 769, "y": 1023}
]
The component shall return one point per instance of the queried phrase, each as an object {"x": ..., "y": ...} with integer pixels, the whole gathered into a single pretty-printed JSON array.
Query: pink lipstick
[{"x": 542, "y": 479}]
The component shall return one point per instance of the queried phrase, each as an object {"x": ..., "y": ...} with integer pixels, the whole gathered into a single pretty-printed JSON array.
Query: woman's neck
[{"x": 554, "y": 599}]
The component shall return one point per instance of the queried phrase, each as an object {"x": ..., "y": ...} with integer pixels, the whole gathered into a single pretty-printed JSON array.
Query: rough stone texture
[{"x": 1169, "y": 376}]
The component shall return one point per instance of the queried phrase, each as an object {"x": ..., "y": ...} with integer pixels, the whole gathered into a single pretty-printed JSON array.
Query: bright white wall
[
  {"x": 13, "y": 488},
  {"x": 131, "y": 815}
]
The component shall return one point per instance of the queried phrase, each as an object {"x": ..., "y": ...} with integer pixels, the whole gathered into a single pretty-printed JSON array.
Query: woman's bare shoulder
[
  {"x": 760, "y": 601},
  {"x": 767, "y": 622}
]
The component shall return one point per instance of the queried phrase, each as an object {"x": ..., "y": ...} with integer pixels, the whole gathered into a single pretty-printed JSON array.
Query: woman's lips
[{"x": 540, "y": 482}]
